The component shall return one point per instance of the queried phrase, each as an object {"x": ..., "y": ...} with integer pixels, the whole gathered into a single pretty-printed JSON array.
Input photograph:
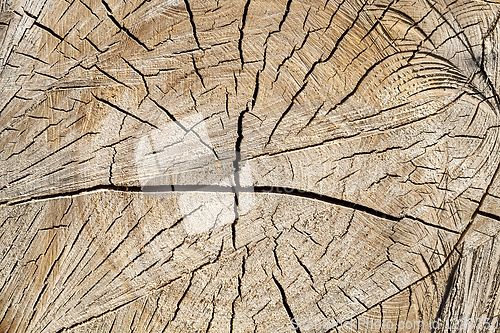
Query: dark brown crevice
[
  {"x": 197, "y": 71},
  {"x": 124, "y": 111},
  {"x": 191, "y": 20},
  {"x": 151, "y": 190},
  {"x": 305, "y": 268},
  {"x": 285, "y": 14},
  {"x": 64, "y": 329},
  {"x": 136, "y": 8},
  {"x": 447, "y": 292},
  {"x": 180, "y": 301},
  {"x": 58, "y": 150},
  {"x": 123, "y": 28},
  {"x": 50, "y": 31},
  {"x": 111, "y": 77},
  {"x": 335, "y": 47},
  {"x": 121, "y": 242},
  {"x": 283, "y": 115},
  {"x": 489, "y": 215},
  {"x": 284, "y": 301},
  {"x": 240, "y": 40},
  {"x": 236, "y": 166},
  {"x": 32, "y": 57}
]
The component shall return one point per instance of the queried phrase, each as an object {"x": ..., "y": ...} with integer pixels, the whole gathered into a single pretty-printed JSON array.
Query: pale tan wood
[{"x": 365, "y": 141}]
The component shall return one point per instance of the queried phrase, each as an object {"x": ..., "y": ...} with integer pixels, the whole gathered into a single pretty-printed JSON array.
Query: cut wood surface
[{"x": 249, "y": 166}]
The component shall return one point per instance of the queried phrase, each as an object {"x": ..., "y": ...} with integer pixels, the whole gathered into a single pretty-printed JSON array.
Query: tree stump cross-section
[{"x": 249, "y": 166}]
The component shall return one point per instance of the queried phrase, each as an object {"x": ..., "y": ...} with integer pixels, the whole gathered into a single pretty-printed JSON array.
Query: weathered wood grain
[{"x": 220, "y": 166}]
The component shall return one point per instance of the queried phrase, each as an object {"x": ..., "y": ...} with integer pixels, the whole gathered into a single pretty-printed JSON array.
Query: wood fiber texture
[{"x": 241, "y": 166}]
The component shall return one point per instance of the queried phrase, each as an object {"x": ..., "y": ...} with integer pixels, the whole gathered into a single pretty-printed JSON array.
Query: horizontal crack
[
  {"x": 489, "y": 215},
  {"x": 72, "y": 193},
  {"x": 230, "y": 189}
]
